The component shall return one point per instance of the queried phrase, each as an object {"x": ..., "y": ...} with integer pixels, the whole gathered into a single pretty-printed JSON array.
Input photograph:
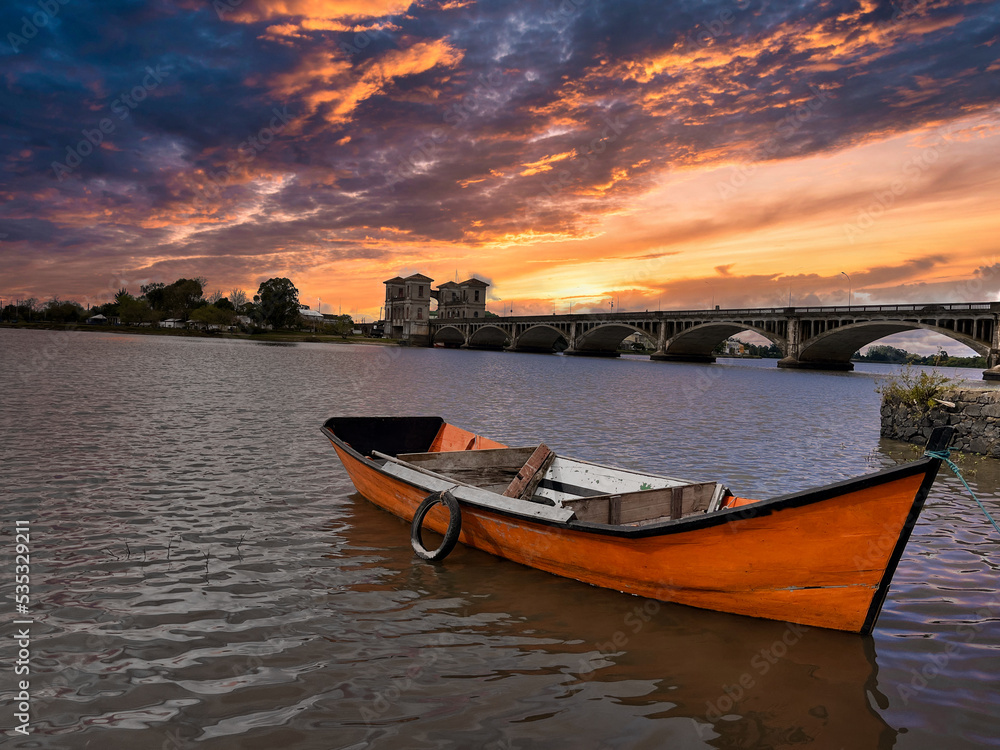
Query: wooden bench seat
[{"x": 646, "y": 506}]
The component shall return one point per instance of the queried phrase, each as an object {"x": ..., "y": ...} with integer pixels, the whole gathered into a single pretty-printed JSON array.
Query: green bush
[{"x": 914, "y": 387}]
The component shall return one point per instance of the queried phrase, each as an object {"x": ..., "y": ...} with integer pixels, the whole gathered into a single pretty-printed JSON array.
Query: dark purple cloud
[{"x": 442, "y": 122}]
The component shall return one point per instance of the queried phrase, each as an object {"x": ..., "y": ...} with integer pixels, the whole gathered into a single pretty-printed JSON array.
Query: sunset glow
[{"x": 735, "y": 153}]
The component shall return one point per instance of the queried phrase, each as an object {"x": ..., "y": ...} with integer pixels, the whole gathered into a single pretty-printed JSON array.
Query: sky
[{"x": 570, "y": 152}]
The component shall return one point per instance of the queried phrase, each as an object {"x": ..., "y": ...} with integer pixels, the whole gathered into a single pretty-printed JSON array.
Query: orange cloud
[
  {"x": 544, "y": 164},
  {"x": 315, "y": 10},
  {"x": 328, "y": 82}
]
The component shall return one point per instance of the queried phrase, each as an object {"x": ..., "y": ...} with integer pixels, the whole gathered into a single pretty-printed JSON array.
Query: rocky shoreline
[{"x": 974, "y": 413}]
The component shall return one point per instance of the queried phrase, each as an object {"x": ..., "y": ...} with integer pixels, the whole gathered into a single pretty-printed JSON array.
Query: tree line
[
  {"x": 877, "y": 353},
  {"x": 892, "y": 355},
  {"x": 275, "y": 305},
  {"x": 764, "y": 351}
]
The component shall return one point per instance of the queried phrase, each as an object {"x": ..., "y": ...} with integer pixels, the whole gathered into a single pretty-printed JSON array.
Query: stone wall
[{"x": 975, "y": 417}]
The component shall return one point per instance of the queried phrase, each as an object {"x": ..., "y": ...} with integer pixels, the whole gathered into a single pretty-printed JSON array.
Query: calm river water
[{"x": 203, "y": 574}]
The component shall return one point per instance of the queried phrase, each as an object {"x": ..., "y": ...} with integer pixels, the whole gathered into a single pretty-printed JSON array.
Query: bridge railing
[
  {"x": 943, "y": 307},
  {"x": 729, "y": 312}
]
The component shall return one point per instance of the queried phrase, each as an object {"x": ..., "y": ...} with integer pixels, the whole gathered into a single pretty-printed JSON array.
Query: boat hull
[{"x": 820, "y": 558}]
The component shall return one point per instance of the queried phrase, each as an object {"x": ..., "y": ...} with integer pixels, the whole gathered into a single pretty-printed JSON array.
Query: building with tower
[{"x": 408, "y": 305}]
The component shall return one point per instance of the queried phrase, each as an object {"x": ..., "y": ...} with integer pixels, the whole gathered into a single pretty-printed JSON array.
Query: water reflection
[{"x": 736, "y": 682}]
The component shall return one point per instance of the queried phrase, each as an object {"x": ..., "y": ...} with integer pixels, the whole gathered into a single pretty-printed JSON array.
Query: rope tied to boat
[{"x": 945, "y": 456}]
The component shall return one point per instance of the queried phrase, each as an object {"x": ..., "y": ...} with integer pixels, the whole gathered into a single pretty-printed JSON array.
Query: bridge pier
[
  {"x": 992, "y": 371},
  {"x": 704, "y": 359},
  {"x": 590, "y": 353},
  {"x": 530, "y": 349},
  {"x": 792, "y": 363}
]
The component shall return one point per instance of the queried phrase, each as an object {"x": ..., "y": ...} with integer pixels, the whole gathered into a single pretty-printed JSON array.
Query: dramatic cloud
[{"x": 566, "y": 149}]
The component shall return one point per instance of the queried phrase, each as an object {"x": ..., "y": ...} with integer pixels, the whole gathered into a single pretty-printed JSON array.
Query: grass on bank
[
  {"x": 289, "y": 335},
  {"x": 917, "y": 387}
]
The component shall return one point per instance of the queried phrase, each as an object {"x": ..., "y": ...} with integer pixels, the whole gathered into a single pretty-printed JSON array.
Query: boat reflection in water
[{"x": 500, "y": 647}]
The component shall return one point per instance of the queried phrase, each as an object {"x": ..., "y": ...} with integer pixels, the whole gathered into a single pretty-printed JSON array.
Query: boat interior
[{"x": 534, "y": 474}]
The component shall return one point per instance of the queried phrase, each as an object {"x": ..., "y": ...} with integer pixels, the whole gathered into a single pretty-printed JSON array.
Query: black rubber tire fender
[{"x": 450, "y": 535}]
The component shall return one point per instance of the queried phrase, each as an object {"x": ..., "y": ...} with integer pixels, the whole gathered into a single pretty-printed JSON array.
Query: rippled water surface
[{"x": 203, "y": 574}]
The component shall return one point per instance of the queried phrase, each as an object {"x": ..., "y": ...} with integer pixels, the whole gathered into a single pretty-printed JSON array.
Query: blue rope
[{"x": 945, "y": 456}]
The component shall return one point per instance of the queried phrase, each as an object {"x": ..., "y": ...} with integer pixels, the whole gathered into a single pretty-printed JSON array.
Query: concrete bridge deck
[{"x": 821, "y": 338}]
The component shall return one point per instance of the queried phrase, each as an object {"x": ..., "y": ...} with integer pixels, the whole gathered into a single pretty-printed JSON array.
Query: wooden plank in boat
[
  {"x": 487, "y": 477},
  {"x": 600, "y": 480},
  {"x": 512, "y": 457},
  {"x": 420, "y": 478},
  {"x": 529, "y": 475},
  {"x": 638, "y": 507},
  {"x": 486, "y": 499},
  {"x": 553, "y": 496},
  {"x": 475, "y": 495}
]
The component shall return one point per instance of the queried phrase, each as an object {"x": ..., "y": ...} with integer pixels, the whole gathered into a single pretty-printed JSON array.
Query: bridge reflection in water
[{"x": 820, "y": 338}]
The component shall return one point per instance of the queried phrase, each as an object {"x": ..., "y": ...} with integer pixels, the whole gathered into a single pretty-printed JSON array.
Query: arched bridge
[{"x": 821, "y": 338}]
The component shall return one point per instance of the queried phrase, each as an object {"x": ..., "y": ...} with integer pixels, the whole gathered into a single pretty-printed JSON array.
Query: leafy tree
[
  {"x": 183, "y": 296},
  {"x": 884, "y": 353},
  {"x": 277, "y": 303},
  {"x": 213, "y": 315},
  {"x": 60, "y": 311},
  {"x": 225, "y": 304},
  {"x": 155, "y": 295},
  {"x": 340, "y": 325},
  {"x": 132, "y": 310},
  {"x": 28, "y": 309}
]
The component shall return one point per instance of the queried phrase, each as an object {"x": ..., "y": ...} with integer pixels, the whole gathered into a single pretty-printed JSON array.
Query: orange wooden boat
[{"x": 822, "y": 557}]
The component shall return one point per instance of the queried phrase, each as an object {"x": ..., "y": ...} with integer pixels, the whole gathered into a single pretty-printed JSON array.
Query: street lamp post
[{"x": 848, "y": 289}]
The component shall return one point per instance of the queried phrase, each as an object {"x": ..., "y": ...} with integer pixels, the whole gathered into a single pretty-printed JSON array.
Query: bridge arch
[
  {"x": 488, "y": 337},
  {"x": 835, "y": 347},
  {"x": 696, "y": 344},
  {"x": 604, "y": 339},
  {"x": 449, "y": 336},
  {"x": 540, "y": 338}
]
